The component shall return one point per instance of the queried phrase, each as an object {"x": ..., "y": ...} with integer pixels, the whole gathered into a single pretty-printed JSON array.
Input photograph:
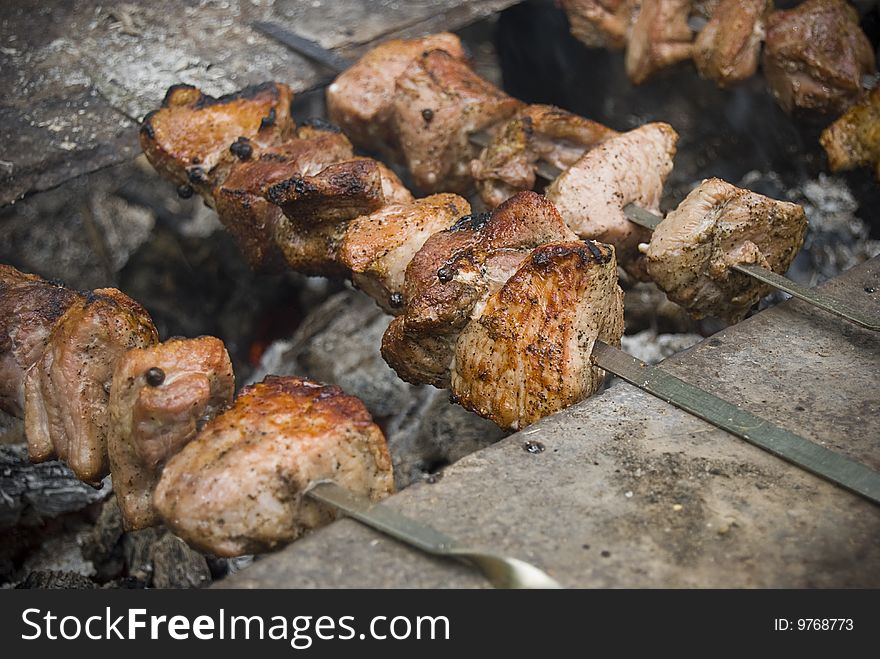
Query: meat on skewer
[
  {"x": 601, "y": 23},
  {"x": 728, "y": 48},
  {"x": 543, "y": 133},
  {"x": 361, "y": 99},
  {"x": 854, "y": 139},
  {"x": 716, "y": 226},
  {"x": 238, "y": 488},
  {"x": 660, "y": 37},
  {"x": 160, "y": 398},
  {"x": 816, "y": 55},
  {"x": 624, "y": 169}
]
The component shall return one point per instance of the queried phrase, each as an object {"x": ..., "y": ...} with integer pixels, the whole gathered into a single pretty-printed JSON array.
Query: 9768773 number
[{"x": 813, "y": 624}]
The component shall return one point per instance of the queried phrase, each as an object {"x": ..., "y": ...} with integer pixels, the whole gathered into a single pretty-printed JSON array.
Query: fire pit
[{"x": 624, "y": 476}]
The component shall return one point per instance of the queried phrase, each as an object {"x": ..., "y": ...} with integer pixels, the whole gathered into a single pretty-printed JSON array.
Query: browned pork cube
[
  {"x": 601, "y": 23},
  {"x": 439, "y": 101},
  {"x": 378, "y": 247},
  {"x": 815, "y": 56},
  {"x": 539, "y": 133},
  {"x": 660, "y": 37},
  {"x": 453, "y": 274},
  {"x": 716, "y": 226},
  {"x": 728, "y": 48},
  {"x": 854, "y": 139},
  {"x": 67, "y": 391},
  {"x": 30, "y": 307},
  {"x": 160, "y": 398},
  {"x": 527, "y": 353},
  {"x": 361, "y": 99},
  {"x": 627, "y": 168},
  {"x": 188, "y": 139},
  {"x": 239, "y": 487}
]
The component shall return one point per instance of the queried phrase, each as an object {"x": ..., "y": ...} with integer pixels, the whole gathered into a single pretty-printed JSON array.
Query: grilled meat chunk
[
  {"x": 449, "y": 279},
  {"x": 660, "y": 37},
  {"x": 160, "y": 397},
  {"x": 238, "y": 487},
  {"x": 318, "y": 209},
  {"x": 727, "y": 49},
  {"x": 67, "y": 391},
  {"x": 361, "y": 99},
  {"x": 439, "y": 101},
  {"x": 538, "y": 133},
  {"x": 816, "y": 55},
  {"x": 854, "y": 139},
  {"x": 527, "y": 354},
  {"x": 716, "y": 226},
  {"x": 628, "y": 168},
  {"x": 240, "y": 199},
  {"x": 378, "y": 247},
  {"x": 601, "y": 23},
  {"x": 188, "y": 139},
  {"x": 30, "y": 307}
]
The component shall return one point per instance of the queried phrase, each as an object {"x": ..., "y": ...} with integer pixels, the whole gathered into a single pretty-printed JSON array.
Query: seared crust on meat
[
  {"x": 439, "y": 101},
  {"x": 628, "y": 168},
  {"x": 67, "y": 391},
  {"x": 601, "y": 23},
  {"x": 727, "y": 49},
  {"x": 378, "y": 247},
  {"x": 854, "y": 139},
  {"x": 238, "y": 487},
  {"x": 160, "y": 397},
  {"x": 527, "y": 355},
  {"x": 339, "y": 192},
  {"x": 317, "y": 217},
  {"x": 815, "y": 56},
  {"x": 188, "y": 139},
  {"x": 537, "y": 133},
  {"x": 660, "y": 37},
  {"x": 361, "y": 98},
  {"x": 716, "y": 226},
  {"x": 452, "y": 275},
  {"x": 240, "y": 198},
  {"x": 30, "y": 307}
]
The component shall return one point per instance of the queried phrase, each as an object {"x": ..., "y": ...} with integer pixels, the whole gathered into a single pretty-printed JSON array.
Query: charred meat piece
[
  {"x": 628, "y": 168},
  {"x": 160, "y": 398},
  {"x": 240, "y": 199},
  {"x": 378, "y": 247},
  {"x": 854, "y": 139},
  {"x": 716, "y": 226},
  {"x": 451, "y": 276},
  {"x": 238, "y": 488},
  {"x": 538, "y": 133},
  {"x": 188, "y": 139},
  {"x": 728, "y": 48},
  {"x": 30, "y": 307},
  {"x": 601, "y": 23},
  {"x": 361, "y": 99},
  {"x": 67, "y": 391},
  {"x": 816, "y": 55},
  {"x": 527, "y": 355},
  {"x": 439, "y": 101},
  {"x": 660, "y": 37},
  {"x": 316, "y": 218}
]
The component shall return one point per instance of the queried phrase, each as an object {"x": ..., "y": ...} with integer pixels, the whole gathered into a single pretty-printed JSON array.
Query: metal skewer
[{"x": 502, "y": 572}]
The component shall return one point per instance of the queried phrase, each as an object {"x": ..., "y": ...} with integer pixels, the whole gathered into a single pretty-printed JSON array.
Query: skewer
[{"x": 849, "y": 474}]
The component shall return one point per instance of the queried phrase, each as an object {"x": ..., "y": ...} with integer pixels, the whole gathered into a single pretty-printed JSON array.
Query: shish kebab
[
  {"x": 507, "y": 309},
  {"x": 97, "y": 389},
  {"x": 511, "y": 157}
]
